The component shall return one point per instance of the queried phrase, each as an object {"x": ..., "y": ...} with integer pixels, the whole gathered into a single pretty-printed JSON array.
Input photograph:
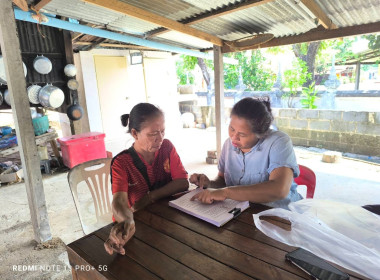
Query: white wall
[{"x": 104, "y": 109}]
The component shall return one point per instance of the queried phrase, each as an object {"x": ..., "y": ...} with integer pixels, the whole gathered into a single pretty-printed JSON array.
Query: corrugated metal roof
[
  {"x": 352, "y": 12},
  {"x": 188, "y": 40},
  {"x": 280, "y": 17}
]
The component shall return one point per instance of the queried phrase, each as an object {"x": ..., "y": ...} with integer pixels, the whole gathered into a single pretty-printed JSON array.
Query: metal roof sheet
[
  {"x": 351, "y": 12},
  {"x": 280, "y": 17}
]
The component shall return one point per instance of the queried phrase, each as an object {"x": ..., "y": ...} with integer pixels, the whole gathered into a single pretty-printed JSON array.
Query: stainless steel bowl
[
  {"x": 42, "y": 64},
  {"x": 51, "y": 96},
  {"x": 70, "y": 70},
  {"x": 33, "y": 92},
  {"x": 7, "y": 98},
  {"x": 3, "y": 77},
  {"x": 73, "y": 84}
]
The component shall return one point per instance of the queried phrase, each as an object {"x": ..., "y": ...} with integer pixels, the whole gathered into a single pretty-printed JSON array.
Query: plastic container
[
  {"x": 4, "y": 130},
  {"x": 8, "y": 141},
  {"x": 43, "y": 152},
  {"x": 84, "y": 147},
  {"x": 41, "y": 125}
]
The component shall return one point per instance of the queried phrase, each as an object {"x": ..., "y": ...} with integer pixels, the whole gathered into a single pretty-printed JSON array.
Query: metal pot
[
  {"x": 51, "y": 96},
  {"x": 7, "y": 98},
  {"x": 75, "y": 111},
  {"x": 42, "y": 64},
  {"x": 33, "y": 92},
  {"x": 70, "y": 70},
  {"x": 3, "y": 77},
  {"x": 73, "y": 84}
]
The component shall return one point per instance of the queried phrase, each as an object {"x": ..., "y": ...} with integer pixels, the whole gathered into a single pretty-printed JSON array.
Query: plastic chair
[
  {"x": 96, "y": 175},
  {"x": 306, "y": 177}
]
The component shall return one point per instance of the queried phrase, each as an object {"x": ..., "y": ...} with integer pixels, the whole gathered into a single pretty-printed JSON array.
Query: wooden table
[{"x": 170, "y": 244}]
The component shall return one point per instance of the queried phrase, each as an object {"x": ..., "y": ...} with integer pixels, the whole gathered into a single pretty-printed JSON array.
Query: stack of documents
[{"x": 217, "y": 213}]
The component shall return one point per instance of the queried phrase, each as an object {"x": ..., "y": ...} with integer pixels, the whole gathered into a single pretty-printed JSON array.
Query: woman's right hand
[
  {"x": 119, "y": 235},
  {"x": 201, "y": 180}
]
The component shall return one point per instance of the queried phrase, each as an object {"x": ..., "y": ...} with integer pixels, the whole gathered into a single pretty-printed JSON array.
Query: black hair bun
[{"x": 124, "y": 120}]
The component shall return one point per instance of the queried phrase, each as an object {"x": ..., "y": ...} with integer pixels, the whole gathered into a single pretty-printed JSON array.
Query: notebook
[{"x": 217, "y": 213}]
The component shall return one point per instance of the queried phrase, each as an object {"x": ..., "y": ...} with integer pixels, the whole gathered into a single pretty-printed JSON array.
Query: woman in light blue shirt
[{"x": 256, "y": 163}]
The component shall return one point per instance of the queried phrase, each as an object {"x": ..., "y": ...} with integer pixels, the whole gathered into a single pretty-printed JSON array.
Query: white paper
[{"x": 215, "y": 213}]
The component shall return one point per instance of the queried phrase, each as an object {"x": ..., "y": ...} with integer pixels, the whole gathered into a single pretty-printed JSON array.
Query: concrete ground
[{"x": 350, "y": 180}]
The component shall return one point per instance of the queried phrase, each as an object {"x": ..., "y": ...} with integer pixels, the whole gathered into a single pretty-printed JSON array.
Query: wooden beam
[
  {"x": 317, "y": 34},
  {"x": 94, "y": 44},
  {"x": 41, "y": 4},
  {"x": 10, "y": 47},
  {"x": 22, "y": 4},
  {"x": 319, "y": 14},
  {"x": 124, "y": 8},
  {"x": 362, "y": 60},
  {"x": 225, "y": 10},
  {"x": 76, "y": 37},
  {"x": 81, "y": 34},
  {"x": 219, "y": 98}
]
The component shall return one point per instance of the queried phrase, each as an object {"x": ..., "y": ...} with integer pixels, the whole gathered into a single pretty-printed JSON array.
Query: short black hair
[
  {"x": 139, "y": 114},
  {"x": 257, "y": 112}
]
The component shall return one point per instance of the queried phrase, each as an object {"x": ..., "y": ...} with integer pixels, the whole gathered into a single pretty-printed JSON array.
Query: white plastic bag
[
  {"x": 341, "y": 233},
  {"x": 352, "y": 221}
]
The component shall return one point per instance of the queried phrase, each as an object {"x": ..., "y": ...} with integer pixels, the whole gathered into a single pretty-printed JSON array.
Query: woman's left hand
[{"x": 210, "y": 195}]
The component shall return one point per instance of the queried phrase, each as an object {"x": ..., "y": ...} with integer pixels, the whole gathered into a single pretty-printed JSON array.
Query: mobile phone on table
[{"x": 315, "y": 266}]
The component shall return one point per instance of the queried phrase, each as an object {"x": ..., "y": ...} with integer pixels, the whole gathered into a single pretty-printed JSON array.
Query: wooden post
[
  {"x": 82, "y": 125},
  {"x": 69, "y": 60},
  {"x": 219, "y": 98},
  {"x": 10, "y": 47},
  {"x": 357, "y": 76}
]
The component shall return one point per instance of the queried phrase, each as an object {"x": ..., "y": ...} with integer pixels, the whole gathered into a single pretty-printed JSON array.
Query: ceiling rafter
[
  {"x": 139, "y": 13},
  {"x": 22, "y": 4},
  {"x": 320, "y": 15},
  {"x": 212, "y": 14},
  {"x": 93, "y": 45},
  {"x": 316, "y": 34},
  {"x": 41, "y": 4}
]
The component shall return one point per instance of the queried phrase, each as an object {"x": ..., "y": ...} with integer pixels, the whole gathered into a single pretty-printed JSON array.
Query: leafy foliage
[
  {"x": 184, "y": 68},
  {"x": 294, "y": 79},
  {"x": 342, "y": 50},
  {"x": 373, "y": 41},
  {"x": 255, "y": 77},
  {"x": 309, "y": 96}
]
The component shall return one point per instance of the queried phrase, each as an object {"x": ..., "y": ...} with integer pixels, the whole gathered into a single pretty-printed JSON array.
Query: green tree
[
  {"x": 317, "y": 55},
  {"x": 184, "y": 67},
  {"x": 373, "y": 41},
  {"x": 186, "y": 64},
  {"x": 254, "y": 74},
  {"x": 307, "y": 52},
  {"x": 255, "y": 77},
  {"x": 294, "y": 78},
  {"x": 341, "y": 48}
]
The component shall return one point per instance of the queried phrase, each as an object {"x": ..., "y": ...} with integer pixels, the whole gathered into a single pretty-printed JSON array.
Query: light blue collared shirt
[{"x": 273, "y": 151}]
